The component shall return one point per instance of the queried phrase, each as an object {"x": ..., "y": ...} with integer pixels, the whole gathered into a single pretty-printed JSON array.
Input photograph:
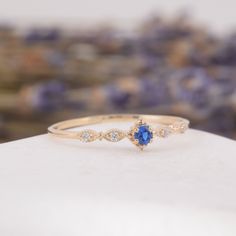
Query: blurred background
[{"x": 61, "y": 60}]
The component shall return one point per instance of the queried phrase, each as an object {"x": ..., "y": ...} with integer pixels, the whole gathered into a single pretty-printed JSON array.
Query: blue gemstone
[{"x": 144, "y": 135}]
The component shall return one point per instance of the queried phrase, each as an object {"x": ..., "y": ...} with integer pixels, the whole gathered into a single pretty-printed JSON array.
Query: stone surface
[{"x": 177, "y": 186}]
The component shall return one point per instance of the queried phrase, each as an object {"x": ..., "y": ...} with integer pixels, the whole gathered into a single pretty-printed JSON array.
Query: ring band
[{"x": 145, "y": 129}]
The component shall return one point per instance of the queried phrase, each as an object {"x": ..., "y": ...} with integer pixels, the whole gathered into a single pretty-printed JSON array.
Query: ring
[{"x": 144, "y": 130}]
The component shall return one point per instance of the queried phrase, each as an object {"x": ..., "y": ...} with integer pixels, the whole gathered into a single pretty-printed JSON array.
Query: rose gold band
[{"x": 162, "y": 126}]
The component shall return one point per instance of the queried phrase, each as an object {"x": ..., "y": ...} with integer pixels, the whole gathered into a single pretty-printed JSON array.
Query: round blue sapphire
[{"x": 143, "y": 135}]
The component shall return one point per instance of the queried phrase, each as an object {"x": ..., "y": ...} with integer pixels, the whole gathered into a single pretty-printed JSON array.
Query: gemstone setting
[
  {"x": 163, "y": 132},
  {"x": 114, "y": 135},
  {"x": 143, "y": 135},
  {"x": 88, "y": 135}
]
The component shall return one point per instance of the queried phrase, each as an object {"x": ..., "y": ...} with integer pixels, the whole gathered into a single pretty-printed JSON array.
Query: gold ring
[{"x": 144, "y": 130}]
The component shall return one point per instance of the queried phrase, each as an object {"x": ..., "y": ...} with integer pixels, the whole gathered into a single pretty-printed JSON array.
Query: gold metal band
[{"x": 162, "y": 126}]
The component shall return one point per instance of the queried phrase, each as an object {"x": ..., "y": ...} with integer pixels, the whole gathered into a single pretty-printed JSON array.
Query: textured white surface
[{"x": 183, "y": 185}]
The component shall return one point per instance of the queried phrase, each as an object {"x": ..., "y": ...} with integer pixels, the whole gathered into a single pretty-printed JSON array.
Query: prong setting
[
  {"x": 114, "y": 135},
  {"x": 141, "y": 134},
  {"x": 88, "y": 135}
]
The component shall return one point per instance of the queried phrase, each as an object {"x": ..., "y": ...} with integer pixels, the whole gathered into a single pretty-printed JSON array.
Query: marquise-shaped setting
[
  {"x": 114, "y": 135},
  {"x": 178, "y": 127},
  {"x": 163, "y": 132},
  {"x": 141, "y": 134},
  {"x": 88, "y": 135}
]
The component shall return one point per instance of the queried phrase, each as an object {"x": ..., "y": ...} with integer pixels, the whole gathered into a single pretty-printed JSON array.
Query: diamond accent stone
[
  {"x": 178, "y": 127},
  {"x": 114, "y": 135},
  {"x": 88, "y": 135},
  {"x": 164, "y": 132}
]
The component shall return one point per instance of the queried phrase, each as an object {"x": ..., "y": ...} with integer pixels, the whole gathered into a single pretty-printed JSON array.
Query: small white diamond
[
  {"x": 86, "y": 136},
  {"x": 164, "y": 133},
  {"x": 114, "y": 135}
]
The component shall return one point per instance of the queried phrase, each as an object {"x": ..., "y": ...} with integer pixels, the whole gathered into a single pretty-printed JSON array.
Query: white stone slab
[{"x": 183, "y": 185}]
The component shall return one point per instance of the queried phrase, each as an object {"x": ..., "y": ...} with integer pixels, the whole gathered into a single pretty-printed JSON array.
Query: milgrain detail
[
  {"x": 88, "y": 135},
  {"x": 114, "y": 135},
  {"x": 178, "y": 127}
]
